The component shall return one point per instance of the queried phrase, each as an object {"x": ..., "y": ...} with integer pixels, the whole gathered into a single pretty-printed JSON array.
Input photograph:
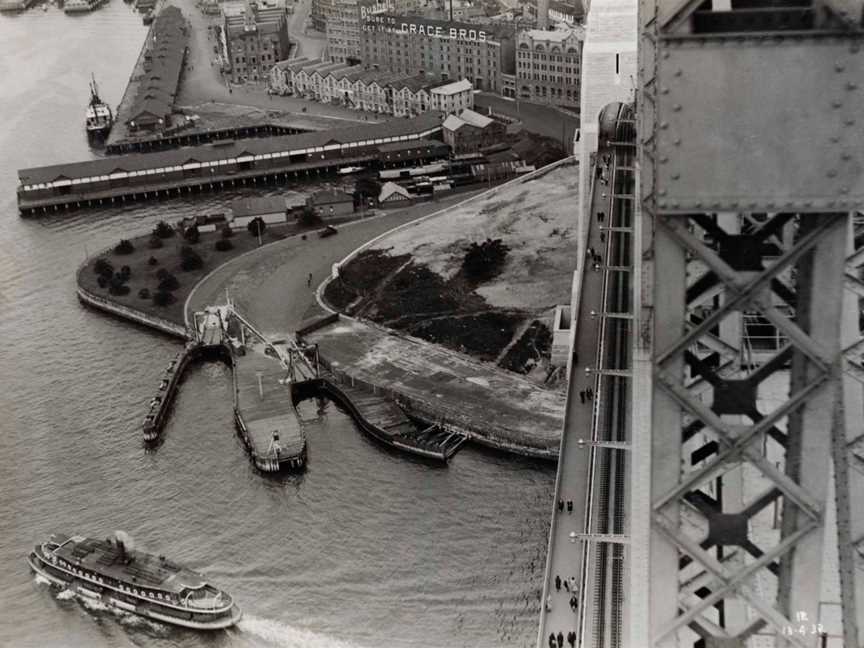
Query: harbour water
[{"x": 364, "y": 549}]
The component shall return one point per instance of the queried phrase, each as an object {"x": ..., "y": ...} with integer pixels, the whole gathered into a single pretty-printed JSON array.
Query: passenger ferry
[
  {"x": 99, "y": 118},
  {"x": 112, "y": 572}
]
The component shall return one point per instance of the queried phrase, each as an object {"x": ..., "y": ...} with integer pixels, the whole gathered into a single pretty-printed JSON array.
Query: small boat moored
[
  {"x": 123, "y": 578},
  {"x": 99, "y": 117}
]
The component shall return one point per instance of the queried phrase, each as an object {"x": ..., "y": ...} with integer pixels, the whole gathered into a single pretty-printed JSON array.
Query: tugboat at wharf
[
  {"x": 112, "y": 572},
  {"x": 99, "y": 116}
]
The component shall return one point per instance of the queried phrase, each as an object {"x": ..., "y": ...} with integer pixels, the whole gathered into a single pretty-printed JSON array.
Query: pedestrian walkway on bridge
[{"x": 563, "y": 595}]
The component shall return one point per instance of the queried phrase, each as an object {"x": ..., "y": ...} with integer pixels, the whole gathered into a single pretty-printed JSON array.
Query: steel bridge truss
[
  {"x": 747, "y": 477},
  {"x": 722, "y": 550}
]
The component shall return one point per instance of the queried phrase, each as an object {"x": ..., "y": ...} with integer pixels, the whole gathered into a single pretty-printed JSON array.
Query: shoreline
[{"x": 176, "y": 326}]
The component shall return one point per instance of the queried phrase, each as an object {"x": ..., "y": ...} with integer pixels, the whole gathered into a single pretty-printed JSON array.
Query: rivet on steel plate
[
  {"x": 677, "y": 141},
  {"x": 844, "y": 190},
  {"x": 664, "y": 160},
  {"x": 836, "y": 104},
  {"x": 849, "y": 122},
  {"x": 839, "y": 67},
  {"x": 677, "y": 107},
  {"x": 676, "y": 176},
  {"x": 831, "y": 173},
  {"x": 835, "y": 139},
  {"x": 666, "y": 55},
  {"x": 846, "y": 156},
  {"x": 679, "y": 72},
  {"x": 664, "y": 125},
  {"x": 662, "y": 192},
  {"x": 851, "y": 85}
]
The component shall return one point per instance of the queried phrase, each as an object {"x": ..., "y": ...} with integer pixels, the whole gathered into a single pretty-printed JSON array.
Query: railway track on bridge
[{"x": 604, "y": 569}]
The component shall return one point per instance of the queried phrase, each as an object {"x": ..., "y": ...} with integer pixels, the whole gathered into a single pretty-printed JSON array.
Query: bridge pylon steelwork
[{"x": 747, "y": 476}]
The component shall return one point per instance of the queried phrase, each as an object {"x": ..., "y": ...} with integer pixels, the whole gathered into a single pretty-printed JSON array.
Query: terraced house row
[{"x": 389, "y": 93}]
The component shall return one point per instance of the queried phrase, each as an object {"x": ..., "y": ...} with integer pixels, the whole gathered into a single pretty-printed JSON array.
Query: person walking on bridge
[
  {"x": 551, "y": 640},
  {"x": 560, "y": 639},
  {"x": 558, "y": 583},
  {"x": 309, "y": 281}
]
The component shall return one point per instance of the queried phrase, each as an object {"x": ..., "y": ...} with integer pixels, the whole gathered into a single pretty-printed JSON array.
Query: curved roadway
[{"x": 270, "y": 285}]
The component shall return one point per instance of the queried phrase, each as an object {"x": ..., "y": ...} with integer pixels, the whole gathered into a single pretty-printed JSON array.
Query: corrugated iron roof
[{"x": 209, "y": 153}]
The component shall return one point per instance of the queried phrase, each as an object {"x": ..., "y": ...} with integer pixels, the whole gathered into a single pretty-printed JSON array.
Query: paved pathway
[
  {"x": 537, "y": 118},
  {"x": 270, "y": 286},
  {"x": 565, "y": 555},
  {"x": 501, "y": 407},
  {"x": 306, "y": 45},
  {"x": 202, "y": 82}
]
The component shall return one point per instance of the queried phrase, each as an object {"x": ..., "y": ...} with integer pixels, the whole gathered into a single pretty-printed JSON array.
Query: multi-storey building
[
  {"x": 320, "y": 13},
  {"x": 353, "y": 86},
  {"x": 453, "y": 97},
  {"x": 440, "y": 49},
  {"x": 569, "y": 13},
  {"x": 344, "y": 18},
  {"x": 470, "y": 131},
  {"x": 255, "y": 39},
  {"x": 548, "y": 66}
]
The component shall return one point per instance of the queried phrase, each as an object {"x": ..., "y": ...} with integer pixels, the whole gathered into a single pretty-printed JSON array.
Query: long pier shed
[{"x": 220, "y": 164}]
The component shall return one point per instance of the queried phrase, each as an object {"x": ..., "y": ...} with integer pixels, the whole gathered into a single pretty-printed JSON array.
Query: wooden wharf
[
  {"x": 264, "y": 413},
  {"x": 380, "y": 417},
  {"x": 227, "y": 164}
]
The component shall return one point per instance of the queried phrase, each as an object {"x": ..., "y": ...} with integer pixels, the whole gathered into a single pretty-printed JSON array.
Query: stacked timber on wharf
[{"x": 228, "y": 164}]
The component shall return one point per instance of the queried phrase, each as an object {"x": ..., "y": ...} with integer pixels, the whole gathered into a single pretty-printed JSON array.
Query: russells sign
[{"x": 373, "y": 7}]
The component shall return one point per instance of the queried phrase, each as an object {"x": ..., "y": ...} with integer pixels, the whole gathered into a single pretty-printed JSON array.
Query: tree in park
[
  {"x": 163, "y": 230},
  {"x": 103, "y": 268},
  {"x": 190, "y": 259},
  {"x": 484, "y": 260},
  {"x": 124, "y": 247},
  {"x": 256, "y": 226},
  {"x": 191, "y": 234}
]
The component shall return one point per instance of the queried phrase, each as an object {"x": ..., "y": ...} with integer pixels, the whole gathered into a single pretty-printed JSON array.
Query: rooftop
[
  {"x": 469, "y": 117},
  {"x": 145, "y": 570},
  {"x": 424, "y": 122},
  {"x": 552, "y": 35},
  {"x": 254, "y": 206},
  {"x": 163, "y": 63},
  {"x": 328, "y": 196},
  {"x": 454, "y": 88}
]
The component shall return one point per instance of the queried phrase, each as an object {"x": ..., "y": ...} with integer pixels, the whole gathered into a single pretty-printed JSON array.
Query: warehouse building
[{"x": 439, "y": 49}]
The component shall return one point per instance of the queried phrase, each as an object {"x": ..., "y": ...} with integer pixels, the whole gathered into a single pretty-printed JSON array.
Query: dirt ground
[
  {"x": 536, "y": 219},
  {"x": 413, "y": 281}
]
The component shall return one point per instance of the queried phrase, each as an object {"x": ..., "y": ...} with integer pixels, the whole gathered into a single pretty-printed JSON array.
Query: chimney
[{"x": 542, "y": 14}]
